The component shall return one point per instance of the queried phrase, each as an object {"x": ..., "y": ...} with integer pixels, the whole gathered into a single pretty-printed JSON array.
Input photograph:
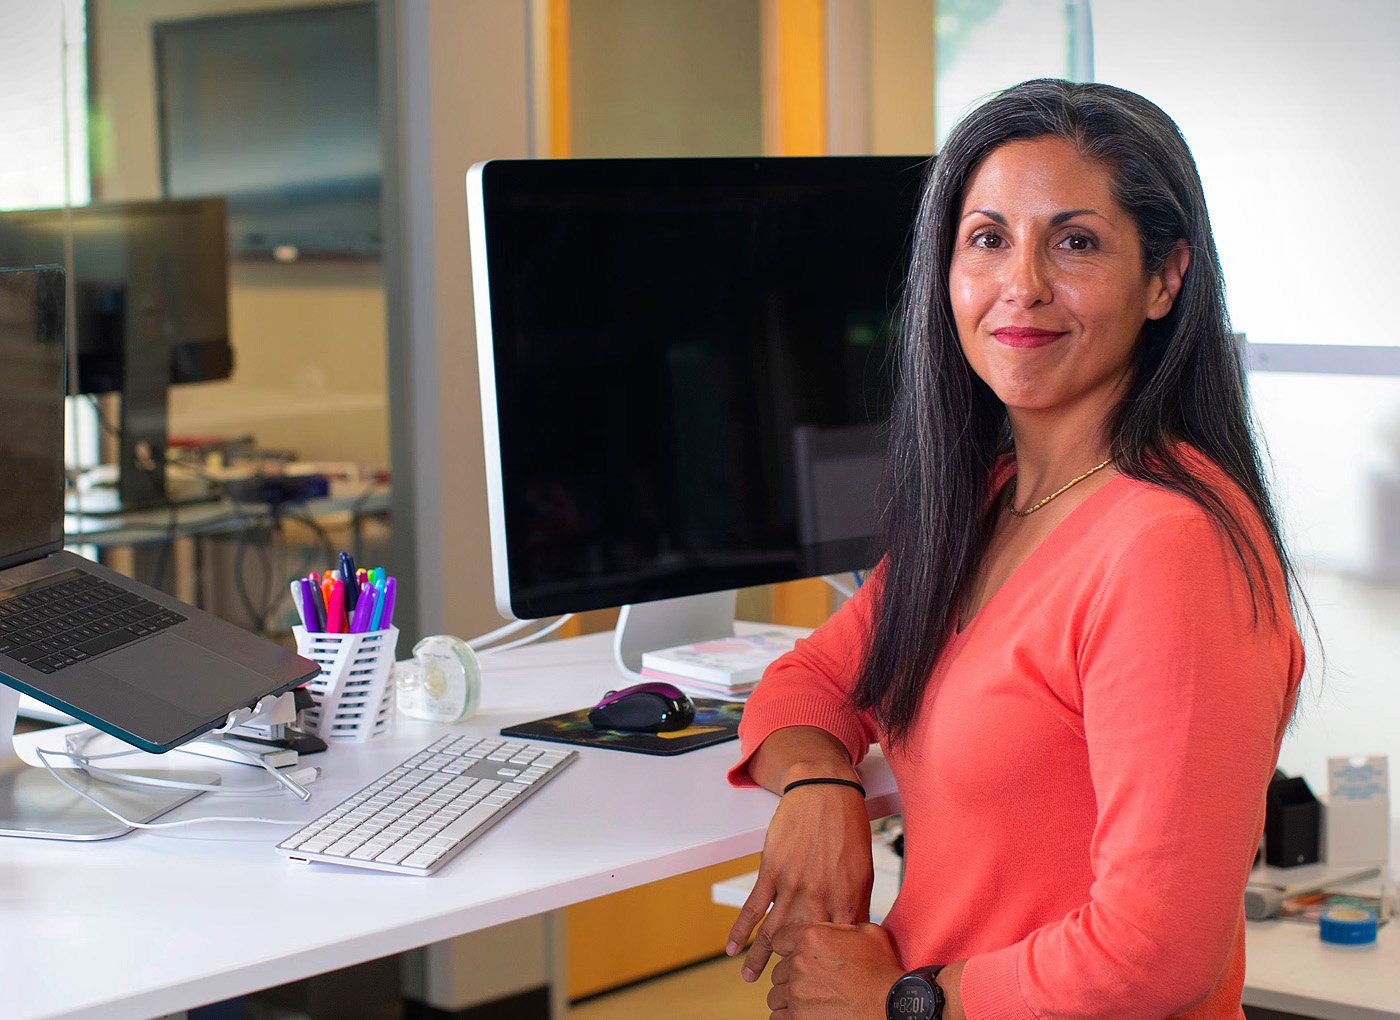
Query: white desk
[
  {"x": 147, "y": 924},
  {"x": 150, "y": 923}
]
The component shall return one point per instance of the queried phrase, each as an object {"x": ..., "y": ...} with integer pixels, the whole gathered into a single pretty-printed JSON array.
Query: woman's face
[{"x": 1047, "y": 281}]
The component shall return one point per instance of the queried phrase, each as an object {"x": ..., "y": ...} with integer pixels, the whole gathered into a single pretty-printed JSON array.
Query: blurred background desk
[{"x": 231, "y": 557}]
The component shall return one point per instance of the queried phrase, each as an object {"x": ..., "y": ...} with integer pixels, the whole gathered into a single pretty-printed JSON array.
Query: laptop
[{"x": 108, "y": 650}]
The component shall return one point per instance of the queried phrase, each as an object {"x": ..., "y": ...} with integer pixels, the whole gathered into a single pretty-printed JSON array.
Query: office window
[
  {"x": 983, "y": 46},
  {"x": 43, "y": 105},
  {"x": 1289, "y": 107}
]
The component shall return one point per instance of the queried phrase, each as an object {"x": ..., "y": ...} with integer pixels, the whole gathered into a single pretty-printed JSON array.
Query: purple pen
[
  {"x": 391, "y": 588},
  {"x": 310, "y": 617},
  {"x": 364, "y": 612}
]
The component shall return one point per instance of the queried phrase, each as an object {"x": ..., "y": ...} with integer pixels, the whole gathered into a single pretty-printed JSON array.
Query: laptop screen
[{"x": 31, "y": 413}]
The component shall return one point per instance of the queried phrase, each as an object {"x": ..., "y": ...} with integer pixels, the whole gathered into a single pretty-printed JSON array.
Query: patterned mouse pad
[{"x": 715, "y": 722}]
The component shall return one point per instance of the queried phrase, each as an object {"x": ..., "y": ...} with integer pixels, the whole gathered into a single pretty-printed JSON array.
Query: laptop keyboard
[{"x": 54, "y": 622}]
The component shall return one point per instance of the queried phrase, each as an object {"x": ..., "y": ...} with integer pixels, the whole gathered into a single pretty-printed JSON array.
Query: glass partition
[{"x": 226, "y": 307}]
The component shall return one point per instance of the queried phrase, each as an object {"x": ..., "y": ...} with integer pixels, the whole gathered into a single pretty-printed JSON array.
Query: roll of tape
[{"x": 1347, "y": 926}]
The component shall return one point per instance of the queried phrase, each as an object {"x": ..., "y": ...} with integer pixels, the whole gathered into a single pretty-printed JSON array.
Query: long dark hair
[{"x": 948, "y": 428}]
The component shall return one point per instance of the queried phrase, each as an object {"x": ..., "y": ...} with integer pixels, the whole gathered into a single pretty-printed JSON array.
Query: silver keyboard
[{"x": 413, "y": 819}]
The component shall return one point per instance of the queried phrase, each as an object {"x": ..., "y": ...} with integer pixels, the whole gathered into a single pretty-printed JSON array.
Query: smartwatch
[{"x": 916, "y": 996}]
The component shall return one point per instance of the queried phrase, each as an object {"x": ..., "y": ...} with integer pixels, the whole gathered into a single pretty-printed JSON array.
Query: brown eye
[
  {"x": 1078, "y": 242},
  {"x": 986, "y": 239}
]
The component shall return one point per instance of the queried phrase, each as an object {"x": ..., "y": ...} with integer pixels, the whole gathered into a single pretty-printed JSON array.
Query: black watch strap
[{"x": 916, "y": 996}]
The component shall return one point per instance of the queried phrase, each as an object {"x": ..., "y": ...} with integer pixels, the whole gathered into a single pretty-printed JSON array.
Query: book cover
[{"x": 729, "y": 662}]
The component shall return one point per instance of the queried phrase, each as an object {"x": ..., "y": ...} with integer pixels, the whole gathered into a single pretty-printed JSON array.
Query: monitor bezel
[{"x": 853, "y": 554}]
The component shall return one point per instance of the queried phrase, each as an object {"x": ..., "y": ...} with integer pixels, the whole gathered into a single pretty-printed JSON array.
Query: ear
[{"x": 1165, "y": 284}]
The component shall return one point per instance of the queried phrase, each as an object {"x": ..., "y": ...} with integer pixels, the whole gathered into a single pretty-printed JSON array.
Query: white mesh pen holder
[{"x": 354, "y": 695}]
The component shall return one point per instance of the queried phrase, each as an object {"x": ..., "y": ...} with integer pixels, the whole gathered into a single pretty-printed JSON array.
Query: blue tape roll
[{"x": 1347, "y": 926}]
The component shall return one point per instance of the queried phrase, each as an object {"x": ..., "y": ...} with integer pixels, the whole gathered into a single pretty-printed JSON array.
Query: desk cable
[
  {"x": 527, "y": 639},
  {"x": 841, "y": 587},
  {"x": 74, "y": 752},
  {"x": 513, "y": 627}
]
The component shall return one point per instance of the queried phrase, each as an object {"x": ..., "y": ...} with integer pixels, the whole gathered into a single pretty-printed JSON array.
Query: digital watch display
[{"x": 916, "y": 996}]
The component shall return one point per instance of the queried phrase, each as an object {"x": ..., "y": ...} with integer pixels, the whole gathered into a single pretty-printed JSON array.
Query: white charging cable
[
  {"x": 500, "y": 632},
  {"x": 841, "y": 588},
  {"x": 44, "y": 759},
  {"x": 527, "y": 639},
  {"x": 476, "y": 643},
  {"x": 76, "y": 744}
]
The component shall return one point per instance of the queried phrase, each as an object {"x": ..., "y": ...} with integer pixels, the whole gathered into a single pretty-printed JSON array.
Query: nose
[{"x": 1027, "y": 281}]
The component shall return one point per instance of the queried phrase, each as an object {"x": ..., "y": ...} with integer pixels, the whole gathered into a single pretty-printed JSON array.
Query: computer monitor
[
  {"x": 685, "y": 376},
  {"x": 150, "y": 292}
]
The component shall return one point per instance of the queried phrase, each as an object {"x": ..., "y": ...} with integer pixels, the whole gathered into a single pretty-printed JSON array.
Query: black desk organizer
[{"x": 1292, "y": 823}]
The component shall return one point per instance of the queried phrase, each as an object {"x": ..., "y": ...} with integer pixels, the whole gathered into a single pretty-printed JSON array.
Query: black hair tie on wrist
[{"x": 825, "y": 781}]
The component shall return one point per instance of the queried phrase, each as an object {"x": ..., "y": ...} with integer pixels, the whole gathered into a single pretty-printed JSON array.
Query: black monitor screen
[
  {"x": 31, "y": 413},
  {"x": 692, "y": 370},
  {"x": 154, "y": 270}
]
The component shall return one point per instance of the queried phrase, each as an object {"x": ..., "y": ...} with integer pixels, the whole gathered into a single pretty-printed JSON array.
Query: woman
[{"x": 1078, "y": 651}]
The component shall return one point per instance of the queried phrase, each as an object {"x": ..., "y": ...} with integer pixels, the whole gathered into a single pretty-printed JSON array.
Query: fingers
[
  {"x": 757, "y": 957},
  {"x": 778, "y": 1000},
  {"x": 786, "y": 939},
  {"x": 782, "y": 971},
  {"x": 750, "y": 914}
]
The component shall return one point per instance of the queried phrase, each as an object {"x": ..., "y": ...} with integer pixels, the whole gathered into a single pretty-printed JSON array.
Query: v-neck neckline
[{"x": 1076, "y": 522}]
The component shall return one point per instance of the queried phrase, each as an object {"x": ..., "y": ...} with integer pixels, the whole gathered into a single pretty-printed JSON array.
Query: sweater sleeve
[
  {"x": 1184, "y": 701},
  {"x": 810, "y": 686}
]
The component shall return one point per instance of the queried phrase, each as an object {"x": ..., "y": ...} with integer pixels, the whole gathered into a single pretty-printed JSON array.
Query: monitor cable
[
  {"x": 527, "y": 639},
  {"x": 841, "y": 588}
]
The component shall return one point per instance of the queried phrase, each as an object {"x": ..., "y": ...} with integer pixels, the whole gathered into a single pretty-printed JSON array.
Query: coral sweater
[{"x": 1083, "y": 790}]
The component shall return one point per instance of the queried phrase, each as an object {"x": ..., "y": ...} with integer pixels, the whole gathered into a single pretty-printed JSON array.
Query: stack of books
[{"x": 726, "y": 668}]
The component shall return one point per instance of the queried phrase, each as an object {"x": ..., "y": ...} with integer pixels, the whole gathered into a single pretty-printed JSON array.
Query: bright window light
[{"x": 43, "y": 105}]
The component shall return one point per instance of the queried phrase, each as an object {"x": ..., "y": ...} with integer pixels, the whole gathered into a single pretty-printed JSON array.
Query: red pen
[{"x": 335, "y": 609}]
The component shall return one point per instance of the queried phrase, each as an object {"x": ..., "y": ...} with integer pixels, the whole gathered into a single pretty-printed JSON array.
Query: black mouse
[{"x": 646, "y": 708}]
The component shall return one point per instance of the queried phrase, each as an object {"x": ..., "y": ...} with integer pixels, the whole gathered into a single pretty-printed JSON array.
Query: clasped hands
[
  {"x": 817, "y": 874},
  {"x": 830, "y": 971}
]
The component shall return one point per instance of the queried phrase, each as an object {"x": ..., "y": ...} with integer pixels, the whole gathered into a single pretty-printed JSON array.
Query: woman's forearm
[{"x": 799, "y": 752}]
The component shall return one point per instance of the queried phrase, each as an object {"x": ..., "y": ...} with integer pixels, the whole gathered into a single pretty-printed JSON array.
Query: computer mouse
[{"x": 644, "y": 708}]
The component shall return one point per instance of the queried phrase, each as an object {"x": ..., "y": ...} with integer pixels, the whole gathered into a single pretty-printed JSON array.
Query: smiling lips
[{"x": 1024, "y": 336}]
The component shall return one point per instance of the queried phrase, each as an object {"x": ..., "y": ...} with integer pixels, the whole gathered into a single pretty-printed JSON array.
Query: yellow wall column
[{"x": 795, "y": 124}]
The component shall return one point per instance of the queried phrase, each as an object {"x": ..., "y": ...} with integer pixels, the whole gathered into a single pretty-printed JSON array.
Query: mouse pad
[{"x": 715, "y": 722}]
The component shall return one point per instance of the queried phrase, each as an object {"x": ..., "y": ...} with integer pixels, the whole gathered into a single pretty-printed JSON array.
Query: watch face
[{"x": 913, "y": 998}]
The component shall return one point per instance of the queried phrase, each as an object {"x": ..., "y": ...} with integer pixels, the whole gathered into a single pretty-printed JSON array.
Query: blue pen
[
  {"x": 365, "y": 610},
  {"x": 347, "y": 577},
  {"x": 382, "y": 591}
]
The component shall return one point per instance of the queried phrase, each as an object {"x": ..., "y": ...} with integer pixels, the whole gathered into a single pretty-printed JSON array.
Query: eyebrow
[{"x": 1055, "y": 221}]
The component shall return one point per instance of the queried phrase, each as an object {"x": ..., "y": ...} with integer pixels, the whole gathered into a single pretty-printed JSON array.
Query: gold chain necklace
[{"x": 1011, "y": 496}]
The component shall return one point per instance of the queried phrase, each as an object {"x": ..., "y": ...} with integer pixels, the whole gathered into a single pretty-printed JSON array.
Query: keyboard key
[
  {"x": 105, "y": 643},
  {"x": 393, "y": 855}
]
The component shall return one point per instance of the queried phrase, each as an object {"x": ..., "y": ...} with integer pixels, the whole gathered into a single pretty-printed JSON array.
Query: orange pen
[{"x": 327, "y": 586}]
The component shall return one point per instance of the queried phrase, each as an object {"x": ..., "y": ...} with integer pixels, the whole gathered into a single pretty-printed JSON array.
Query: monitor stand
[
  {"x": 649, "y": 626},
  {"x": 34, "y": 803}
]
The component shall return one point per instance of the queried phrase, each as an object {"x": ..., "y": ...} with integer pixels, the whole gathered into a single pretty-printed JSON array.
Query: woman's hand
[
  {"x": 816, "y": 866},
  {"x": 832, "y": 972}
]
